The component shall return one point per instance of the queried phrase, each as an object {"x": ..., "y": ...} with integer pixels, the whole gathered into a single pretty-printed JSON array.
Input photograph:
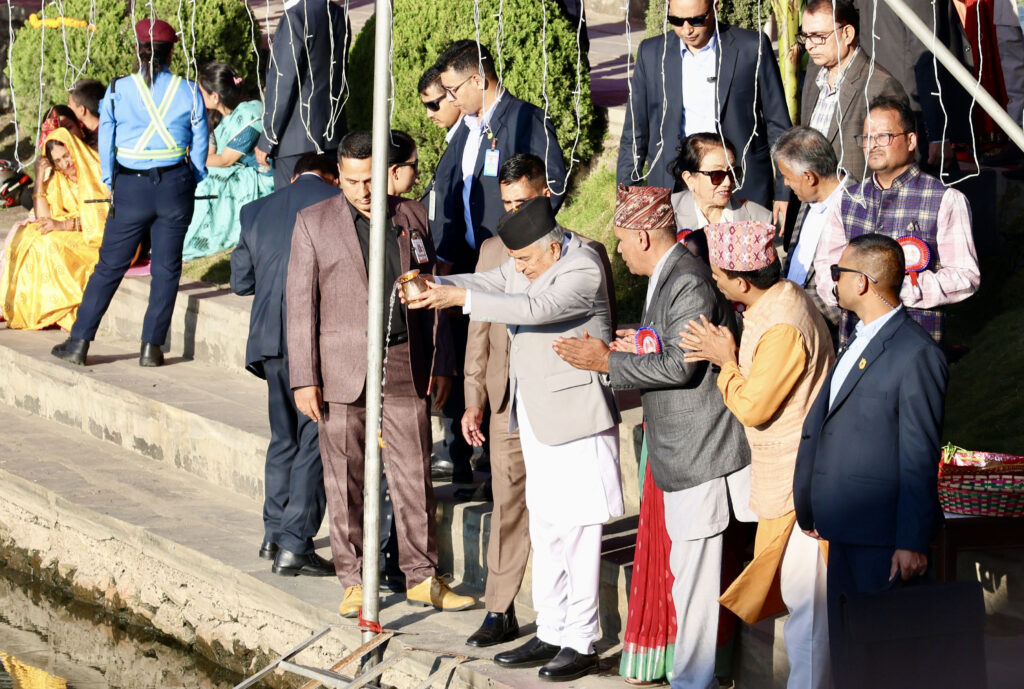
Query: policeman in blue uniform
[{"x": 153, "y": 141}]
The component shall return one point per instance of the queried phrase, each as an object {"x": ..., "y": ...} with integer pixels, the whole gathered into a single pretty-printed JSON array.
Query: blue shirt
[
  {"x": 862, "y": 338},
  {"x": 700, "y": 106},
  {"x": 124, "y": 119}
]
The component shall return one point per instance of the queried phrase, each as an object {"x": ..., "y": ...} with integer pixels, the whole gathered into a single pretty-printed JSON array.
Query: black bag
[{"x": 917, "y": 635}]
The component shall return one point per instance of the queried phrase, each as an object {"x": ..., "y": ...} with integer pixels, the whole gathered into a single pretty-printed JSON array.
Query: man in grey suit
[
  {"x": 840, "y": 80},
  {"x": 697, "y": 450},
  {"x": 305, "y": 79},
  {"x": 568, "y": 424}
]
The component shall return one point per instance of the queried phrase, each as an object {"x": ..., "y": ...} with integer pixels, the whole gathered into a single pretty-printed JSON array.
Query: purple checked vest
[{"x": 910, "y": 207}]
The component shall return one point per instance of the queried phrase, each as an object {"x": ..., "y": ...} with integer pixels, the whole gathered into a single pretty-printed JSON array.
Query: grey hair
[
  {"x": 805, "y": 149},
  {"x": 554, "y": 236}
]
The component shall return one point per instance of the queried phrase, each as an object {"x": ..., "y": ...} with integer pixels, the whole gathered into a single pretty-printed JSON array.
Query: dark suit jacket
[
  {"x": 911, "y": 63},
  {"x": 691, "y": 436},
  {"x": 518, "y": 127},
  {"x": 303, "y": 94},
  {"x": 328, "y": 294},
  {"x": 651, "y": 99},
  {"x": 852, "y": 107},
  {"x": 259, "y": 263},
  {"x": 866, "y": 470}
]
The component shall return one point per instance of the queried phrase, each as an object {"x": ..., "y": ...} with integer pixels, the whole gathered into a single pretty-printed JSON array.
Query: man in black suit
[
  {"x": 467, "y": 194},
  {"x": 705, "y": 76},
  {"x": 294, "y": 481},
  {"x": 305, "y": 77},
  {"x": 866, "y": 471}
]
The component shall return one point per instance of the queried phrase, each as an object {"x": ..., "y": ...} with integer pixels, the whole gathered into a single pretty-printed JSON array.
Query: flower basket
[{"x": 984, "y": 484}]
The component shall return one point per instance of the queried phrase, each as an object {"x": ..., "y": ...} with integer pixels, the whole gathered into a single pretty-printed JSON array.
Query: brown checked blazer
[
  {"x": 487, "y": 343},
  {"x": 327, "y": 299}
]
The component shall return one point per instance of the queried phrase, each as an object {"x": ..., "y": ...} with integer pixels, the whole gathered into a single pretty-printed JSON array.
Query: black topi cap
[{"x": 523, "y": 226}]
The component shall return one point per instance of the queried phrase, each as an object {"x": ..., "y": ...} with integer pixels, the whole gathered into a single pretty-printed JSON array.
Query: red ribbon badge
[
  {"x": 916, "y": 255},
  {"x": 681, "y": 235},
  {"x": 647, "y": 341}
]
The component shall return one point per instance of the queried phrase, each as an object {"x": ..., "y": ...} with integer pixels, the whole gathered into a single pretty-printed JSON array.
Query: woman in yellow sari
[{"x": 48, "y": 261}]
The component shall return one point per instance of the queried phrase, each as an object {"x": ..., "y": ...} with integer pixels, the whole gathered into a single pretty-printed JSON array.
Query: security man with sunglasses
[
  {"x": 705, "y": 76},
  {"x": 153, "y": 141}
]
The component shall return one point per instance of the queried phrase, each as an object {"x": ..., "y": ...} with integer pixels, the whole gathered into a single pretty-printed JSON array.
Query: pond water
[{"x": 50, "y": 641}]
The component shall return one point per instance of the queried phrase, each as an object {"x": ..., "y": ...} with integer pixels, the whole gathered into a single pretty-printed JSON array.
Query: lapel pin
[{"x": 862, "y": 364}]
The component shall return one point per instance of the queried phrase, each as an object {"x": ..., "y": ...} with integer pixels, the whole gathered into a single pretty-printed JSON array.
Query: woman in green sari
[{"x": 234, "y": 177}]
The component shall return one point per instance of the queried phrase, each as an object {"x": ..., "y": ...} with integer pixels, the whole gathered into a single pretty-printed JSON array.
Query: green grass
[
  {"x": 215, "y": 269},
  {"x": 589, "y": 211}
]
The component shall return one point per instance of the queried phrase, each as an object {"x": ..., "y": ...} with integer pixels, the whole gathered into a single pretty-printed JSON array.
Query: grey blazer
[
  {"x": 686, "y": 210},
  {"x": 691, "y": 436},
  {"x": 853, "y": 106},
  {"x": 570, "y": 298}
]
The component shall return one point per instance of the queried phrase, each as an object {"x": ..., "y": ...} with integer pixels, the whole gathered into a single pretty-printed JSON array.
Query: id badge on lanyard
[{"x": 419, "y": 249}]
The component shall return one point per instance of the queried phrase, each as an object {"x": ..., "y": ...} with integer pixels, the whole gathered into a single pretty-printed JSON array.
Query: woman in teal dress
[{"x": 234, "y": 177}]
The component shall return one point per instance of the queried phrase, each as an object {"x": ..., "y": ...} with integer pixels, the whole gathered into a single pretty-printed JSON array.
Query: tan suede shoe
[
  {"x": 436, "y": 592},
  {"x": 352, "y": 601}
]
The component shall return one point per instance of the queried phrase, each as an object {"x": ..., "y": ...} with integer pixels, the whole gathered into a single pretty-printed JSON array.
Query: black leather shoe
[
  {"x": 498, "y": 627},
  {"x": 268, "y": 550},
  {"x": 151, "y": 355},
  {"x": 288, "y": 564},
  {"x": 441, "y": 468},
  {"x": 533, "y": 652},
  {"x": 72, "y": 351},
  {"x": 568, "y": 665}
]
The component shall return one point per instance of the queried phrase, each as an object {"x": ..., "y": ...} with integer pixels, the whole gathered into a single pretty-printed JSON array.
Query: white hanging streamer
[
  {"x": 14, "y": 100},
  {"x": 636, "y": 176},
  {"x": 577, "y": 107}
]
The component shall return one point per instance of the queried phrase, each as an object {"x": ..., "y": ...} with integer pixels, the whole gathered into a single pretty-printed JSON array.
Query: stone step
[
  {"x": 210, "y": 324},
  {"x": 187, "y": 414},
  {"x": 164, "y": 548}
]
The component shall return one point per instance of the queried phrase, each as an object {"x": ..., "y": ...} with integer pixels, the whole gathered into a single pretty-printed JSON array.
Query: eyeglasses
[
  {"x": 434, "y": 105},
  {"x": 837, "y": 271},
  {"x": 817, "y": 38},
  {"x": 883, "y": 139},
  {"x": 695, "y": 22},
  {"x": 451, "y": 90},
  {"x": 718, "y": 176},
  {"x": 414, "y": 164}
]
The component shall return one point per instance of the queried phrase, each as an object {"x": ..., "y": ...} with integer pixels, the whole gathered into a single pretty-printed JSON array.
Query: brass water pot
[{"x": 412, "y": 284}]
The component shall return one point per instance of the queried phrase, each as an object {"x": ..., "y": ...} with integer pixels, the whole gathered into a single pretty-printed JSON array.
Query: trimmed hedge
[
  {"x": 221, "y": 29},
  {"x": 421, "y": 31}
]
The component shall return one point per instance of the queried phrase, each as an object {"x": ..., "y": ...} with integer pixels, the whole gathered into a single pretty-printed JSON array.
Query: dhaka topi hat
[
  {"x": 644, "y": 208},
  {"x": 741, "y": 246}
]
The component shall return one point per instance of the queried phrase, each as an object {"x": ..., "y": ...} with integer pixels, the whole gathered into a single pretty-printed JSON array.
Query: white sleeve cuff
[{"x": 467, "y": 307}]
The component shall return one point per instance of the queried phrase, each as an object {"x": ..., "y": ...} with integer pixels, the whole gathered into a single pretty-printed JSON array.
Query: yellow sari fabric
[{"x": 44, "y": 275}]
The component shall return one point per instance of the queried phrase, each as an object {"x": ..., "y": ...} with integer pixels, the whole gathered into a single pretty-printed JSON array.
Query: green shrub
[
  {"x": 742, "y": 13},
  {"x": 423, "y": 28},
  {"x": 97, "y": 54},
  {"x": 221, "y": 29}
]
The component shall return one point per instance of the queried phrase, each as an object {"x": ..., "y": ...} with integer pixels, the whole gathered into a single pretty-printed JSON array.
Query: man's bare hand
[
  {"x": 310, "y": 401},
  {"x": 908, "y": 563},
  {"x": 438, "y": 297},
  {"x": 705, "y": 341},
  {"x": 587, "y": 353},
  {"x": 261, "y": 157},
  {"x": 401, "y": 294},
  {"x": 813, "y": 533},
  {"x": 472, "y": 430},
  {"x": 779, "y": 213},
  {"x": 625, "y": 341},
  {"x": 439, "y": 389}
]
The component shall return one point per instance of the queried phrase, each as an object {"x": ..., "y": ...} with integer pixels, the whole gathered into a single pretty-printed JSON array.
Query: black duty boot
[
  {"x": 498, "y": 627},
  {"x": 151, "y": 355},
  {"x": 72, "y": 351}
]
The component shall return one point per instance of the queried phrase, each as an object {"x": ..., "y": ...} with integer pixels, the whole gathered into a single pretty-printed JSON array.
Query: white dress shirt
[
  {"x": 656, "y": 275},
  {"x": 810, "y": 234},
  {"x": 862, "y": 335},
  {"x": 700, "y": 111},
  {"x": 476, "y": 126}
]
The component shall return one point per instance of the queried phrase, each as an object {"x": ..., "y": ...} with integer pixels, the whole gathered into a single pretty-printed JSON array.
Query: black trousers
[
  {"x": 159, "y": 203},
  {"x": 294, "y": 502}
]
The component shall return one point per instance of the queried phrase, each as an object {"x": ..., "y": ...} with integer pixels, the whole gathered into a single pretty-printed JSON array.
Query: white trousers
[
  {"x": 803, "y": 591},
  {"x": 566, "y": 575}
]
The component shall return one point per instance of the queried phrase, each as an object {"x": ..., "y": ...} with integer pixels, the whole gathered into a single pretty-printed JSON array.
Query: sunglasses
[
  {"x": 718, "y": 176},
  {"x": 434, "y": 105},
  {"x": 695, "y": 22},
  {"x": 414, "y": 164},
  {"x": 837, "y": 271}
]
